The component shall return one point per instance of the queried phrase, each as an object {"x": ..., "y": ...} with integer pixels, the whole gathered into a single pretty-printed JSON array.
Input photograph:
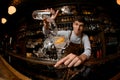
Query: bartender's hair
[{"x": 80, "y": 19}]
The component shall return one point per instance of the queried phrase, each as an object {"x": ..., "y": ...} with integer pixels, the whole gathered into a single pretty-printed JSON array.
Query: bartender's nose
[{"x": 79, "y": 26}]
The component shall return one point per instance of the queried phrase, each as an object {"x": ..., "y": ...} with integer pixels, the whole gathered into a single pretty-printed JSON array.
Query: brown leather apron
[{"x": 74, "y": 48}]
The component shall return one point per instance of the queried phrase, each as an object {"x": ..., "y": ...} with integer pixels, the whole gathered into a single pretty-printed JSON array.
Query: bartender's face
[{"x": 78, "y": 27}]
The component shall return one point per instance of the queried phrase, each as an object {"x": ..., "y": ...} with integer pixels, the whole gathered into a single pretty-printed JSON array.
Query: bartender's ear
[{"x": 84, "y": 28}]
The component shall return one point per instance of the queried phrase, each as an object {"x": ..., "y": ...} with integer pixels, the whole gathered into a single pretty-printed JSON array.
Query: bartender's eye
[{"x": 76, "y": 24}]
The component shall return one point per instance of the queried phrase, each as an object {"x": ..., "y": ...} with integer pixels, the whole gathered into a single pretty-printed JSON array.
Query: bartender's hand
[
  {"x": 54, "y": 14},
  {"x": 71, "y": 60}
]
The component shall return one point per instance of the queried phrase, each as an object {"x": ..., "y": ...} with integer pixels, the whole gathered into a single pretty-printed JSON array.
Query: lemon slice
[{"x": 60, "y": 40}]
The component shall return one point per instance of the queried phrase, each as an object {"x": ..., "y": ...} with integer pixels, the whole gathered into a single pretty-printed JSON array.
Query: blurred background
[
  {"x": 19, "y": 31},
  {"x": 24, "y": 9}
]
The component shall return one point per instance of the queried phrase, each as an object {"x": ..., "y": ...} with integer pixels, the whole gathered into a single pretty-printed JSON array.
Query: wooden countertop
[
  {"x": 90, "y": 62},
  {"x": 7, "y": 72},
  {"x": 116, "y": 77}
]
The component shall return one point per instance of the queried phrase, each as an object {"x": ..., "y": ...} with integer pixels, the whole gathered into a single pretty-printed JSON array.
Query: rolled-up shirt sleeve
[{"x": 87, "y": 46}]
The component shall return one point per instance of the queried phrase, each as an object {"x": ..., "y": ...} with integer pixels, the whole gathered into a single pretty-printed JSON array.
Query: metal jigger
[{"x": 40, "y": 14}]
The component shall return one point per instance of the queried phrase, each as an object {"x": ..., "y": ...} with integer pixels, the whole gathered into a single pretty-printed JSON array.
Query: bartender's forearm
[
  {"x": 45, "y": 24},
  {"x": 45, "y": 31}
]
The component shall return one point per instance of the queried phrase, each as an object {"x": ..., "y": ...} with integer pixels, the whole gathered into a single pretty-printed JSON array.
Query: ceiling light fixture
[
  {"x": 118, "y": 2},
  {"x": 3, "y": 20},
  {"x": 11, "y": 10}
]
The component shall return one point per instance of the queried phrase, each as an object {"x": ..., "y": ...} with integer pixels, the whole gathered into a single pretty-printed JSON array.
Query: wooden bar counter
[
  {"x": 90, "y": 62},
  {"x": 7, "y": 72},
  {"x": 36, "y": 63}
]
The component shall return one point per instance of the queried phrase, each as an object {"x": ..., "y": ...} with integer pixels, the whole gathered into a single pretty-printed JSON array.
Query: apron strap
[{"x": 80, "y": 37}]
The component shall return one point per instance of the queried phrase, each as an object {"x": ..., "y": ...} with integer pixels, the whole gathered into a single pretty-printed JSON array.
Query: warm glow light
[
  {"x": 118, "y": 2},
  {"x": 11, "y": 10},
  {"x": 3, "y": 20}
]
